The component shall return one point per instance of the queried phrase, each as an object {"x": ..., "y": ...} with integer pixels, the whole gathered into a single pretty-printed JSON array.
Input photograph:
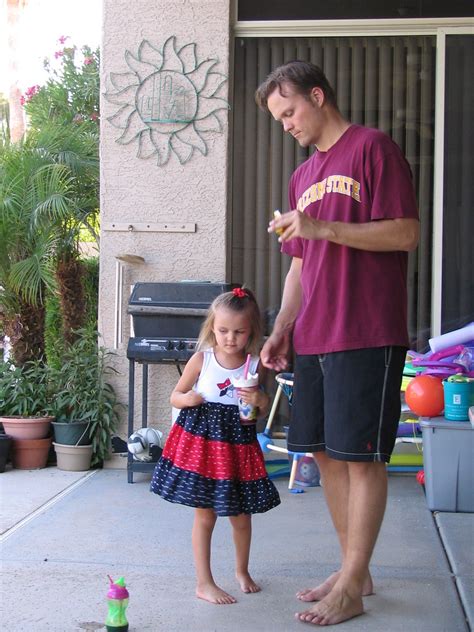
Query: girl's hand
[
  {"x": 252, "y": 395},
  {"x": 183, "y": 395},
  {"x": 256, "y": 397},
  {"x": 192, "y": 398}
]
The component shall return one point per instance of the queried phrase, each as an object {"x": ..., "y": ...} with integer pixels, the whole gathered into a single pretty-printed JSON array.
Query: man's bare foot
[
  {"x": 318, "y": 593},
  {"x": 214, "y": 594},
  {"x": 247, "y": 585},
  {"x": 336, "y": 607}
]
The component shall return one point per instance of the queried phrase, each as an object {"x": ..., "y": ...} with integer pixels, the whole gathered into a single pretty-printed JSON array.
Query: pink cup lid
[{"x": 117, "y": 590}]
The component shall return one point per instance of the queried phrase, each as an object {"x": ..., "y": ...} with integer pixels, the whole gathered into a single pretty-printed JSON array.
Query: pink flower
[
  {"x": 58, "y": 54},
  {"x": 88, "y": 60},
  {"x": 78, "y": 118},
  {"x": 63, "y": 38},
  {"x": 29, "y": 94},
  {"x": 94, "y": 116},
  {"x": 32, "y": 90}
]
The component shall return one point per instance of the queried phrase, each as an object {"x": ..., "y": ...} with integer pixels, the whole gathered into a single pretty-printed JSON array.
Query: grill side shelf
[{"x": 167, "y": 311}]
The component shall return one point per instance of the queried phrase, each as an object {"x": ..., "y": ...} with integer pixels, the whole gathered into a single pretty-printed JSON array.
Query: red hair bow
[{"x": 239, "y": 292}]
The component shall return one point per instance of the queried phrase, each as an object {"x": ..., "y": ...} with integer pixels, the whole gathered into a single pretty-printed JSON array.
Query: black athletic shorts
[{"x": 347, "y": 403}]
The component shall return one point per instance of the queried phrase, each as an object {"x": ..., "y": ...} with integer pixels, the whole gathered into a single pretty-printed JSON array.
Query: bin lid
[{"x": 442, "y": 422}]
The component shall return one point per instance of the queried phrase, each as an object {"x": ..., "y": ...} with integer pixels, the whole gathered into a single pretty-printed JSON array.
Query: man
[{"x": 353, "y": 220}]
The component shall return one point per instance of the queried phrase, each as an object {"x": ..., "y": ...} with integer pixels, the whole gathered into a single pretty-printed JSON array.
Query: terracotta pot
[
  {"x": 19, "y": 427},
  {"x": 74, "y": 458},
  {"x": 30, "y": 454}
]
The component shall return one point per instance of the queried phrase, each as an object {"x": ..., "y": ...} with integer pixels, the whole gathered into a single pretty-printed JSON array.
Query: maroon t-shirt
[{"x": 352, "y": 299}]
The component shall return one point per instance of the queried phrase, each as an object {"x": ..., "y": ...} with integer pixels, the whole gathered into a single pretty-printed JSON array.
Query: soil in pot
[
  {"x": 5, "y": 448},
  {"x": 74, "y": 458},
  {"x": 30, "y": 454},
  {"x": 19, "y": 427},
  {"x": 72, "y": 432}
]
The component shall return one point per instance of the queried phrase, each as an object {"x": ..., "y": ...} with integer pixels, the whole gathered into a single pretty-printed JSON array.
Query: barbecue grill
[
  {"x": 166, "y": 321},
  {"x": 167, "y": 318}
]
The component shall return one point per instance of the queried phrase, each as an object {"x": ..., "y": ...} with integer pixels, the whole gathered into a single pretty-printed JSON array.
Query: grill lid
[
  {"x": 172, "y": 310},
  {"x": 180, "y": 295}
]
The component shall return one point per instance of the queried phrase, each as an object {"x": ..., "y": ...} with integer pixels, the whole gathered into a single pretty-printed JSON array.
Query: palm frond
[{"x": 30, "y": 276}]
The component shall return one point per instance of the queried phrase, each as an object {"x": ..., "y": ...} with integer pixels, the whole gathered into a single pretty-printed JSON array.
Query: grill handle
[{"x": 167, "y": 311}]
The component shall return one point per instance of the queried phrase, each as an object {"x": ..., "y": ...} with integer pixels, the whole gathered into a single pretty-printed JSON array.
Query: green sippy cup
[{"x": 117, "y": 597}]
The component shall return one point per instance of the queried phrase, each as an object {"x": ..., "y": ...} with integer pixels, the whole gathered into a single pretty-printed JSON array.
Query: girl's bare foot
[
  {"x": 214, "y": 594},
  {"x": 247, "y": 585},
  {"x": 318, "y": 593},
  {"x": 339, "y": 605}
]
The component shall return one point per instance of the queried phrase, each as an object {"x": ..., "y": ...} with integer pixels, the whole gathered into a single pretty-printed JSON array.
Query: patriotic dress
[{"x": 210, "y": 460}]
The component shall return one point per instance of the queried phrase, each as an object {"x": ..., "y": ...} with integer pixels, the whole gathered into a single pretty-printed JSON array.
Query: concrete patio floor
[{"x": 63, "y": 532}]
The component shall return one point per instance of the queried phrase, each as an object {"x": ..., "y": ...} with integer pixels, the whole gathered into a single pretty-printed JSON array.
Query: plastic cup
[{"x": 247, "y": 412}]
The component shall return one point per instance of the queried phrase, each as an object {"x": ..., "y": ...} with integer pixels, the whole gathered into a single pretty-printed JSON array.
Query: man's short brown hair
[{"x": 303, "y": 76}]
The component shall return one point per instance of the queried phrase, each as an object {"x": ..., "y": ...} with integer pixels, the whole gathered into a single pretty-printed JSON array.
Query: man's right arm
[{"x": 275, "y": 351}]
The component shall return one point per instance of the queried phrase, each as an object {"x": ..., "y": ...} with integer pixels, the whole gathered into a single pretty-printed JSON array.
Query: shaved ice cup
[{"x": 247, "y": 412}]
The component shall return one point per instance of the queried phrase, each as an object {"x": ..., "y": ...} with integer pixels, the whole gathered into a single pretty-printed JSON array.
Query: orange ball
[{"x": 425, "y": 396}]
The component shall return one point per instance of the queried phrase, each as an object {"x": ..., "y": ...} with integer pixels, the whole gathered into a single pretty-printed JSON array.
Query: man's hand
[
  {"x": 276, "y": 350},
  {"x": 295, "y": 224},
  {"x": 274, "y": 353},
  {"x": 384, "y": 235}
]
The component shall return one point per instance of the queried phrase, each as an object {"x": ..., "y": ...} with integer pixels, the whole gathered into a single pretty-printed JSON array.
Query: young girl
[{"x": 211, "y": 461}]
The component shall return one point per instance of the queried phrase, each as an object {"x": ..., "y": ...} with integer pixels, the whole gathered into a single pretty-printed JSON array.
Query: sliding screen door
[{"x": 457, "y": 296}]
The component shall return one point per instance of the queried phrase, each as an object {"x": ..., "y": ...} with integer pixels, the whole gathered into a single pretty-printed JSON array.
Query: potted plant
[
  {"x": 84, "y": 397},
  {"x": 25, "y": 400},
  {"x": 24, "y": 403}
]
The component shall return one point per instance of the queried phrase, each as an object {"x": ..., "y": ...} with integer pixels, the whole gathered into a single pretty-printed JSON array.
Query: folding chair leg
[
  {"x": 294, "y": 467},
  {"x": 268, "y": 427}
]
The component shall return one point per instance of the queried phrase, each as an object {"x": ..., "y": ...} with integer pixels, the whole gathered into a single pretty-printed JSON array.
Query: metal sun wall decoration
[{"x": 168, "y": 101}]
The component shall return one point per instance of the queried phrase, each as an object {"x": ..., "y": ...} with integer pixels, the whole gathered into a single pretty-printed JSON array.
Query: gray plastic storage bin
[{"x": 448, "y": 451}]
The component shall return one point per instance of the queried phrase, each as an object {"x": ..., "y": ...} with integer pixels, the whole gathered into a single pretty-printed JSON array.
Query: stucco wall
[{"x": 136, "y": 190}]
